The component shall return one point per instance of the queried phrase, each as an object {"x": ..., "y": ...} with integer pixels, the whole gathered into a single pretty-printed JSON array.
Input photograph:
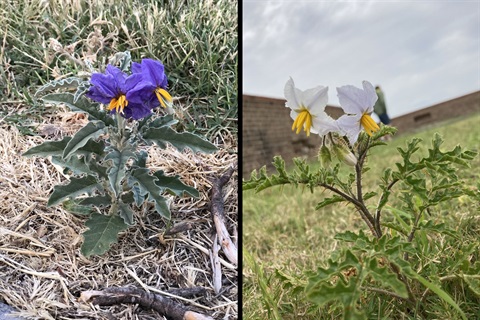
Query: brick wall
[
  {"x": 461, "y": 106},
  {"x": 267, "y": 125}
]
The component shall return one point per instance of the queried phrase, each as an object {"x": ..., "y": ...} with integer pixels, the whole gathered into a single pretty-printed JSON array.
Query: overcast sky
[{"x": 420, "y": 52}]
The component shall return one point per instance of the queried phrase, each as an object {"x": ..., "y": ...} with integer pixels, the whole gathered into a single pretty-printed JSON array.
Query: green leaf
[
  {"x": 103, "y": 231},
  {"x": 263, "y": 181},
  {"x": 126, "y": 213},
  {"x": 97, "y": 201},
  {"x": 137, "y": 195},
  {"x": 75, "y": 164},
  {"x": 74, "y": 207},
  {"x": 369, "y": 195},
  {"x": 116, "y": 173},
  {"x": 334, "y": 199},
  {"x": 77, "y": 186},
  {"x": 82, "y": 105},
  {"x": 55, "y": 148},
  {"x": 147, "y": 185},
  {"x": 91, "y": 131},
  {"x": 141, "y": 159},
  {"x": 72, "y": 82},
  {"x": 49, "y": 148},
  {"x": 165, "y": 121},
  {"x": 174, "y": 185},
  {"x": 162, "y": 136},
  {"x": 385, "y": 277}
]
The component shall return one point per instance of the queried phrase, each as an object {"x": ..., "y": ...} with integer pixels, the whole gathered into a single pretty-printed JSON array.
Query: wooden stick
[{"x": 167, "y": 307}]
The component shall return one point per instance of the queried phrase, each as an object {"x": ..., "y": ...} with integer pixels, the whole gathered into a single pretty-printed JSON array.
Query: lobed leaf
[
  {"x": 126, "y": 213},
  {"x": 147, "y": 186},
  {"x": 72, "y": 82},
  {"x": 91, "y": 131},
  {"x": 49, "y": 148},
  {"x": 163, "y": 135},
  {"x": 103, "y": 231},
  {"x": 77, "y": 186},
  {"x": 174, "y": 185},
  {"x": 82, "y": 104},
  {"x": 328, "y": 201},
  {"x": 116, "y": 173}
]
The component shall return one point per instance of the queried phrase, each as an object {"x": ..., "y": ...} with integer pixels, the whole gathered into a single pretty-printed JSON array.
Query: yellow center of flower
[
  {"x": 369, "y": 124},
  {"x": 304, "y": 119},
  {"x": 119, "y": 102},
  {"x": 163, "y": 95}
]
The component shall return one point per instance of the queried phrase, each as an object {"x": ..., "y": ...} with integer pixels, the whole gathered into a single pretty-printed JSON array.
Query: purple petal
[{"x": 153, "y": 71}]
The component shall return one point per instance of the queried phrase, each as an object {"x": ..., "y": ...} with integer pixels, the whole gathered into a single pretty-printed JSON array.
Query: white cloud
[{"x": 420, "y": 52}]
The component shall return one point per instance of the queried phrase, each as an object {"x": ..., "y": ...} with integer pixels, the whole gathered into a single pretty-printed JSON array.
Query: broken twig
[
  {"x": 217, "y": 210},
  {"x": 167, "y": 307}
]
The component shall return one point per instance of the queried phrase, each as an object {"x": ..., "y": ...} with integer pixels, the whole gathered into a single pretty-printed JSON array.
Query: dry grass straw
[{"x": 42, "y": 272}]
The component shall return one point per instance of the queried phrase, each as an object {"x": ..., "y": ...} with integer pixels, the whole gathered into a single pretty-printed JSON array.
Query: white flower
[
  {"x": 308, "y": 109},
  {"x": 358, "y": 106}
]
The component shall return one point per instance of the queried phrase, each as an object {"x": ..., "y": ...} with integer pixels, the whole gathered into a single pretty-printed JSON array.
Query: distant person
[{"x": 380, "y": 108}]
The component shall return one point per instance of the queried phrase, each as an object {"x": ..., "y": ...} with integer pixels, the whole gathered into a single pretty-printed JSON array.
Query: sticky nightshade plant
[
  {"x": 106, "y": 158},
  {"x": 398, "y": 211}
]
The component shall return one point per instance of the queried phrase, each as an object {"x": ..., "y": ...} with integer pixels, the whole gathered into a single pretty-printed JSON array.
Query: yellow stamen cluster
[
  {"x": 304, "y": 119},
  {"x": 369, "y": 124},
  {"x": 119, "y": 102},
  {"x": 163, "y": 95}
]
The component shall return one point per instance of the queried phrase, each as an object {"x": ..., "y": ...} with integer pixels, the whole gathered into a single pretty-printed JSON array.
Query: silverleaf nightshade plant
[
  {"x": 387, "y": 259},
  {"x": 107, "y": 157}
]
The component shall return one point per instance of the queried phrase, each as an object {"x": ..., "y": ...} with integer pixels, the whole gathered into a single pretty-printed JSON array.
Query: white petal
[
  {"x": 323, "y": 124},
  {"x": 350, "y": 126},
  {"x": 355, "y": 100},
  {"x": 292, "y": 94},
  {"x": 293, "y": 114},
  {"x": 371, "y": 95},
  {"x": 316, "y": 99}
]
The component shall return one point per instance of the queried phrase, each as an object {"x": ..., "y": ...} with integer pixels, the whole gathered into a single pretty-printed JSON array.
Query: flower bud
[
  {"x": 325, "y": 156},
  {"x": 343, "y": 153}
]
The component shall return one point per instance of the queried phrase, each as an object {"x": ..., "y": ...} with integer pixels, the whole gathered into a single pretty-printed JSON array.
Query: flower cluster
[
  {"x": 308, "y": 110},
  {"x": 132, "y": 96}
]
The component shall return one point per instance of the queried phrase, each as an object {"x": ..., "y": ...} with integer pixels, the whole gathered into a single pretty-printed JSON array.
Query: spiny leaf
[
  {"x": 147, "y": 185},
  {"x": 77, "y": 186},
  {"x": 162, "y": 136},
  {"x": 116, "y": 173},
  {"x": 103, "y": 231},
  {"x": 385, "y": 277},
  {"x": 91, "y": 131},
  {"x": 262, "y": 181},
  {"x": 334, "y": 199},
  {"x": 174, "y": 185}
]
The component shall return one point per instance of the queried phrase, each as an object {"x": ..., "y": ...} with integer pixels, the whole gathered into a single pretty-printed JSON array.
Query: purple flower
[
  {"x": 151, "y": 83},
  {"x": 111, "y": 89}
]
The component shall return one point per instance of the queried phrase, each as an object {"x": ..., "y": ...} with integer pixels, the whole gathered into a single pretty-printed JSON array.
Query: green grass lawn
[{"x": 286, "y": 237}]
